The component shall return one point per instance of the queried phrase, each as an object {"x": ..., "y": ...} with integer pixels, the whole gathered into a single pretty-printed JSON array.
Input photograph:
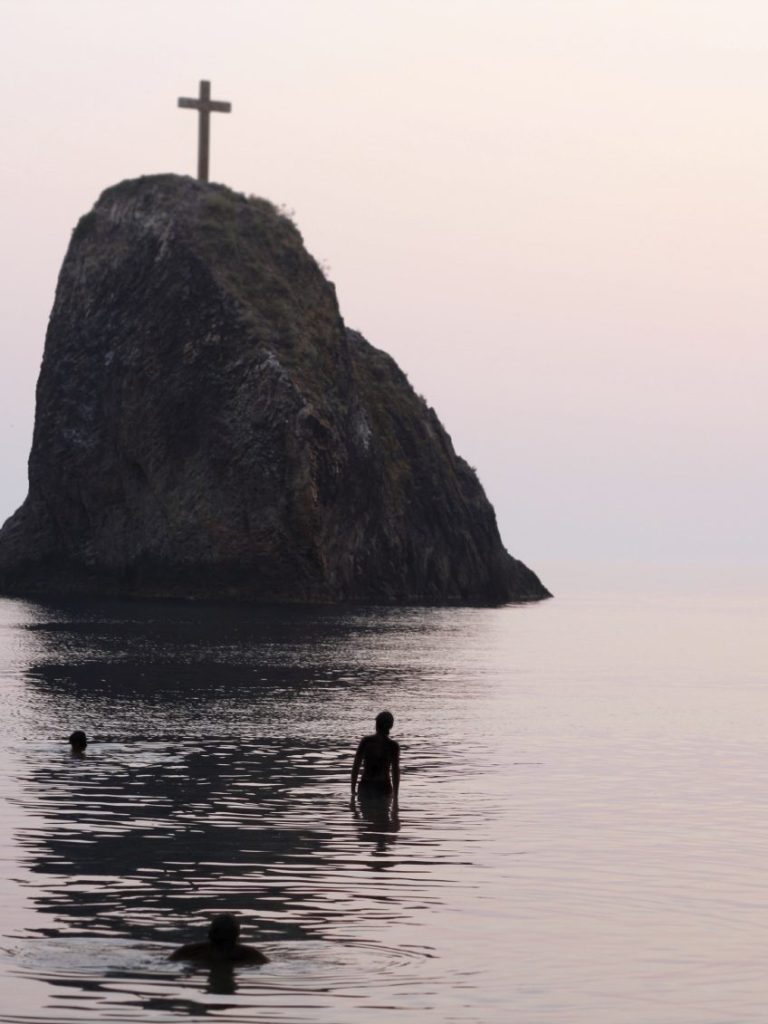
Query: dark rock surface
[{"x": 207, "y": 427}]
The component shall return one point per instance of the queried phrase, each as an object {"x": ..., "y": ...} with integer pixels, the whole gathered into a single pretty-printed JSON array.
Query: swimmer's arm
[
  {"x": 396, "y": 771},
  {"x": 357, "y": 764}
]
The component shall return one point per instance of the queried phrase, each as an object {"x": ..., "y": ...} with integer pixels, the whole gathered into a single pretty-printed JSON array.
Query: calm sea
[{"x": 582, "y": 835}]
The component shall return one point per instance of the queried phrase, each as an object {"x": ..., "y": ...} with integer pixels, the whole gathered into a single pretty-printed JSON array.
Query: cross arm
[{"x": 195, "y": 104}]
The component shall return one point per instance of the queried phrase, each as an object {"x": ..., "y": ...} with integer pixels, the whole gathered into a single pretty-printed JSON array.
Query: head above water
[
  {"x": 384, "y": 722},
  {"x": 224, "y": 930},
  {"x": 78, "y": 740}
]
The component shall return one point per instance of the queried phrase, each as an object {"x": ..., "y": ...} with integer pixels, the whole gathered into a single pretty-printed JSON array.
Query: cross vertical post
[
  {"x": 204, "y": 132},
  {"x": 204, "y": 105}
]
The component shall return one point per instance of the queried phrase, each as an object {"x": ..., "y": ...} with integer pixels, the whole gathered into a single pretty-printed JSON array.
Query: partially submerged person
[
  {"x": 379, "y": 758},
  {"x": 222, "y": 946},
  {"x": 78, "y": 741}
]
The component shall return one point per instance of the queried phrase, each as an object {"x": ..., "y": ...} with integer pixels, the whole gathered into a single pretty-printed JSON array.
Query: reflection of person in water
[
  {"x": 78, "y": 741},
  {"x": 378, "y": 822},
  {"x": 222, "y": 947},
  {"x": 379, "y": 758}
]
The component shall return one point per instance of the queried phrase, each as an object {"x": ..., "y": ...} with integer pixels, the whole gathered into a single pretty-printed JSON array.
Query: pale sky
[{"x": 552, "y": 213}]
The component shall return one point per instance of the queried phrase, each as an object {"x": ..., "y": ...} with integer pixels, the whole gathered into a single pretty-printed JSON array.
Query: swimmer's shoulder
[
  {"x": 206, "y": 952},
  {"x": 192, "y": 951},
  {"x": 249, "y": 955}
]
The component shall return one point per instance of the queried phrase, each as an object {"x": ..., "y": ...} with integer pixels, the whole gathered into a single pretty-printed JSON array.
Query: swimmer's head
[
  {"x": 384, "y": 722},
  {"x": 224, "y": 930},
  {"x": 78, "y": 740}
]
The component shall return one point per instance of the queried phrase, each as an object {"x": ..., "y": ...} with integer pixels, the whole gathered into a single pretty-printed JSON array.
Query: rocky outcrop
[{"x": 207, "y": 427}]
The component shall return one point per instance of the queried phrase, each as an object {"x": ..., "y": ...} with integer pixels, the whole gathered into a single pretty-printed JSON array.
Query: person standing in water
[{"x": 379, "y": 758}]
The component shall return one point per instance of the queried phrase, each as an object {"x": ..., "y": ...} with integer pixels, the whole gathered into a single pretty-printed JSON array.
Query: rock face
[{"x": 207, "y": 427}]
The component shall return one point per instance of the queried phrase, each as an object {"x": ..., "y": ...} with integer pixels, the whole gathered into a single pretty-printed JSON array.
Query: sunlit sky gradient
[{"x": 552, "y": 213}]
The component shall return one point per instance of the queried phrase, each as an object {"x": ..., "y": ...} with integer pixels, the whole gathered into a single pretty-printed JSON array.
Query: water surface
[{"x": 581, "y": 834}]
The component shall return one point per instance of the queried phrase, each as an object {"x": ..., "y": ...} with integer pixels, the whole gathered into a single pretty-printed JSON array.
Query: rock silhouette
[{"x": 207, "y": 427}]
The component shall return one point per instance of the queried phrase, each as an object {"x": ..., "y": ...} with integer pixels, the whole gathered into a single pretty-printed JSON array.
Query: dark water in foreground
[{"x": 582, "y": 833}]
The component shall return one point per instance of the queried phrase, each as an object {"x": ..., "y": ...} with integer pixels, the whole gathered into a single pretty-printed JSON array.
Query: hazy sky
[{"x": 552, "y": 213}]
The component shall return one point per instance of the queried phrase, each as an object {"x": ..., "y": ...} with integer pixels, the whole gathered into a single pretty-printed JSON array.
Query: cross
[{"x": 204, "y": 104}]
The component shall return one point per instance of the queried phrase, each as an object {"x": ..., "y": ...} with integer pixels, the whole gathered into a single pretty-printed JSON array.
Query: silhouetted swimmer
[
  {"x": 78, "y": 741},
  {"x": 379, "y": 758},
  {"x": 222, "y": 947}
]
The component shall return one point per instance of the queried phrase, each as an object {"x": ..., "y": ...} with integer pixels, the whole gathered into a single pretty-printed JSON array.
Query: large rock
[{"x": 207, "y": 427}]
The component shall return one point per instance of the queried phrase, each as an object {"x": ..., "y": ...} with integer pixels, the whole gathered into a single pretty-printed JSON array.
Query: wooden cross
[{"x": 204, "y": 104}]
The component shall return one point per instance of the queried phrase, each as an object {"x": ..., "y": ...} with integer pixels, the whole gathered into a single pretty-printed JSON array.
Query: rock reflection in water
[
  {"x": 214, "y": 776},
  {"x": 216, "y": 779}
]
